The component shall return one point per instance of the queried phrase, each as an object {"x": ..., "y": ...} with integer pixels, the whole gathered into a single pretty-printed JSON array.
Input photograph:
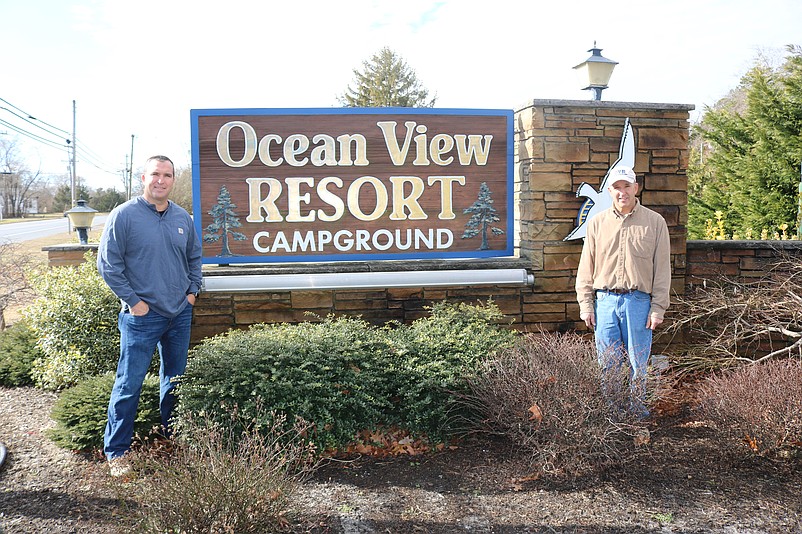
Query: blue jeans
[
  {"x": 140, "y": 336},
  {"x": 621, "y": 334}
]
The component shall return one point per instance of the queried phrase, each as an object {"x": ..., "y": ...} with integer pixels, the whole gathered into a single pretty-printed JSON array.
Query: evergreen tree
[
  {"x": 62, "y": 201},
  {"x": 484, "y": 214},
  {"x": 752, "y": 173},
  {"x": 106, "y": 199},
  {"x": 386, "y": 81},
  {"x": 224, "y": 220}
]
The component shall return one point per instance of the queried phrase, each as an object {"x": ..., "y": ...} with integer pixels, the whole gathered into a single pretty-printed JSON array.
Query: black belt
[{"x": 619, "y": 291}]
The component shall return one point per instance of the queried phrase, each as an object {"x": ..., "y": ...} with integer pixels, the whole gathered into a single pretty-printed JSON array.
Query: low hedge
[
  {"x": 328, "y": 373},
  {"x": 344, "y": 375},
  {"x": 18, "y": 351},
  {"x": 340, "y": 376},
  {"x": 81, "y": 412}
]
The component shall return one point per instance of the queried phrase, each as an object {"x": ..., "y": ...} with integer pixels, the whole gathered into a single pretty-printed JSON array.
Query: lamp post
[
  {"x": 595, "y": 72},
  {"x": 81, "y": 217}
]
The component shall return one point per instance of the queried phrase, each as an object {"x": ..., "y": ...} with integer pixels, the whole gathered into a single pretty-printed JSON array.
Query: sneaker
[{"x": 119, "y": 467}]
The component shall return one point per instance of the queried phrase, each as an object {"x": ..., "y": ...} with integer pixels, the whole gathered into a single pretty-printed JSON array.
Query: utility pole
[
  {"x": 131, "y": 170},
  {"x": 73, "y": 182},
  {"x": 3, "y": 200},
  {"x": 125, "y": 178}
]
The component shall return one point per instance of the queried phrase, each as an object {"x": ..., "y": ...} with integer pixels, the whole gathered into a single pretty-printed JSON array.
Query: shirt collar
[
  {"x": 152, "y": 207},
  {"x": 624, "y": 216}
]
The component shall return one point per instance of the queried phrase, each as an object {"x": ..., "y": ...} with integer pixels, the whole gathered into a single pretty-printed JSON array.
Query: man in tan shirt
[{"x": 623, "y": 282}]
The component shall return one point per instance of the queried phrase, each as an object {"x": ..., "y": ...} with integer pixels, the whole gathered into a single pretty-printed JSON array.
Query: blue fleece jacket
[{"x": 145, "y": 255}]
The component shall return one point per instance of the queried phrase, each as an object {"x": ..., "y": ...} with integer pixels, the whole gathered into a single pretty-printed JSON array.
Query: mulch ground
[{"x": 685, "y": 480}]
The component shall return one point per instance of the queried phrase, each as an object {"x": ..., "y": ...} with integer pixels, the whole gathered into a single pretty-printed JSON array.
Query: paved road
[{"x": 25, "y": 231}]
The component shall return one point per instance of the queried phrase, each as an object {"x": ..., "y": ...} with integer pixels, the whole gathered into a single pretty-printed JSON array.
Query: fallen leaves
[
  {"x": 519, "y": 484},
  {"x": 537, "y": 414},
  {"x": 391, "y": 442},
  {"x": 642, "y": 437}
]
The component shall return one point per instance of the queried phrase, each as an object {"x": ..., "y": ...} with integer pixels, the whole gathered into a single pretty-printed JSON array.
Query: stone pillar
[{"x": 562, "y": 143}]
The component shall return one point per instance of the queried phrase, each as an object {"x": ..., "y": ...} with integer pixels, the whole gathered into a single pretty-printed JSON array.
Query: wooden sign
[{"x": 352, "y": 184}]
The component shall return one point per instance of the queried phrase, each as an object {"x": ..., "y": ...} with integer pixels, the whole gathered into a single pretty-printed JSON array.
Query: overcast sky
[{"x": 138, "y": 67}]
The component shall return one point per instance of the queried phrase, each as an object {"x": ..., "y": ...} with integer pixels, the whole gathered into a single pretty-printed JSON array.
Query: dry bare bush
[
  {"x": 728, "y": 323},
  {"x": 217, "y": 480},
  {"x": 758, "y": 405},
  {"x": 545, "y": 395},
  {"x": 14, "y": 284}
]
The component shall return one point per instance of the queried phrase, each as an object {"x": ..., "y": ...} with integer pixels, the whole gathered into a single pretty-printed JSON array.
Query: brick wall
[{"x": 738, "y": 260}]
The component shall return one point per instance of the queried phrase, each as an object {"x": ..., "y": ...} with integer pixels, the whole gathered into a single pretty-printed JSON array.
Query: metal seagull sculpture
[{"x": 599, "y": 200}]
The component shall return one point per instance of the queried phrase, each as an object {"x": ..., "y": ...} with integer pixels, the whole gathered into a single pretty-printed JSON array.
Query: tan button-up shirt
[{"x": 630, "y": 251}]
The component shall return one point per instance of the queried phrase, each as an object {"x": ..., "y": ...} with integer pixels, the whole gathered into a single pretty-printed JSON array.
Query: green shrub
[
  {"x": 327, "y": 373},
  {"x": 18, "y": 351},
  {"x": 345, "y": 375},
  {"x": 81, "y": 412},
  {"x": 75, "y": 321},
  {"x": 544, "y": 395},
  {"x": 757, "y": 405},
  {"x": 215, "y": 481},
  {"x": 438, "y": 355}
]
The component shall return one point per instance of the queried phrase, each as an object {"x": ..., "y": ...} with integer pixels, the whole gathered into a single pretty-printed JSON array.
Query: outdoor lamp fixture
[
  {"x": 595, "y": 72},
  {"x": 81, "y": 217}
]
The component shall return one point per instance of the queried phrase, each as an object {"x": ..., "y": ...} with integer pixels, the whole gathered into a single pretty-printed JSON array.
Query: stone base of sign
[
  {"x": 559, "y": 144},
  {"x": 68, "y": 254}
]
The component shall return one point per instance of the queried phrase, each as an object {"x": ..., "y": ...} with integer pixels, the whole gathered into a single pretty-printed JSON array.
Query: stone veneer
[
  {"x": 561, "y": 144},
  {"x": 558, "y": 145},
  {"x": 68, "y": 254},
  {"x": 744, "y": 261}
]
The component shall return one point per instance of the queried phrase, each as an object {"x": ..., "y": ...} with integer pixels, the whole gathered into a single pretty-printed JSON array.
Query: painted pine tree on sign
[
  {"x": 484, "y": 214},
  {"x": 224, "y": 221}
]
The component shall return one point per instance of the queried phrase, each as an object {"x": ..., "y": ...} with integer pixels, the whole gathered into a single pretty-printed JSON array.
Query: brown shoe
[{"x": 119, "y": 467}]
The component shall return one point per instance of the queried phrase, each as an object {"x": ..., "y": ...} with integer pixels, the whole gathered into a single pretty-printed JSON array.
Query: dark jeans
[{"x": 139, "y": 338}]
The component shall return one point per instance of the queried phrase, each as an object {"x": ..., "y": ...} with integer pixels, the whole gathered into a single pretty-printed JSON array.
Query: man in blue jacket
[{"x": 150, "y": 256}]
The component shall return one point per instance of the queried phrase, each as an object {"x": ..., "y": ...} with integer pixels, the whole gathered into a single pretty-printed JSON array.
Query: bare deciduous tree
[
  {"x": 14, "y": 284},
  {"x": 17, "y": 182},
  {"x": 182, "y": 190},
  {"x": 733, "y": 322}
]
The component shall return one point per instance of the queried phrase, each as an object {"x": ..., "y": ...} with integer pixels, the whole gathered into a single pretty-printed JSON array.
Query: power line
[
  {"x": 26, "y": 119},
  {"x": 87, "y": 150},
  {"x": 98, "y": 166},
  {"x": 65, "y": 132},
  {"x": 87, "y": 154},
  {"x": 92, "y": 158},
  {"x": 33, "y": 136}
]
